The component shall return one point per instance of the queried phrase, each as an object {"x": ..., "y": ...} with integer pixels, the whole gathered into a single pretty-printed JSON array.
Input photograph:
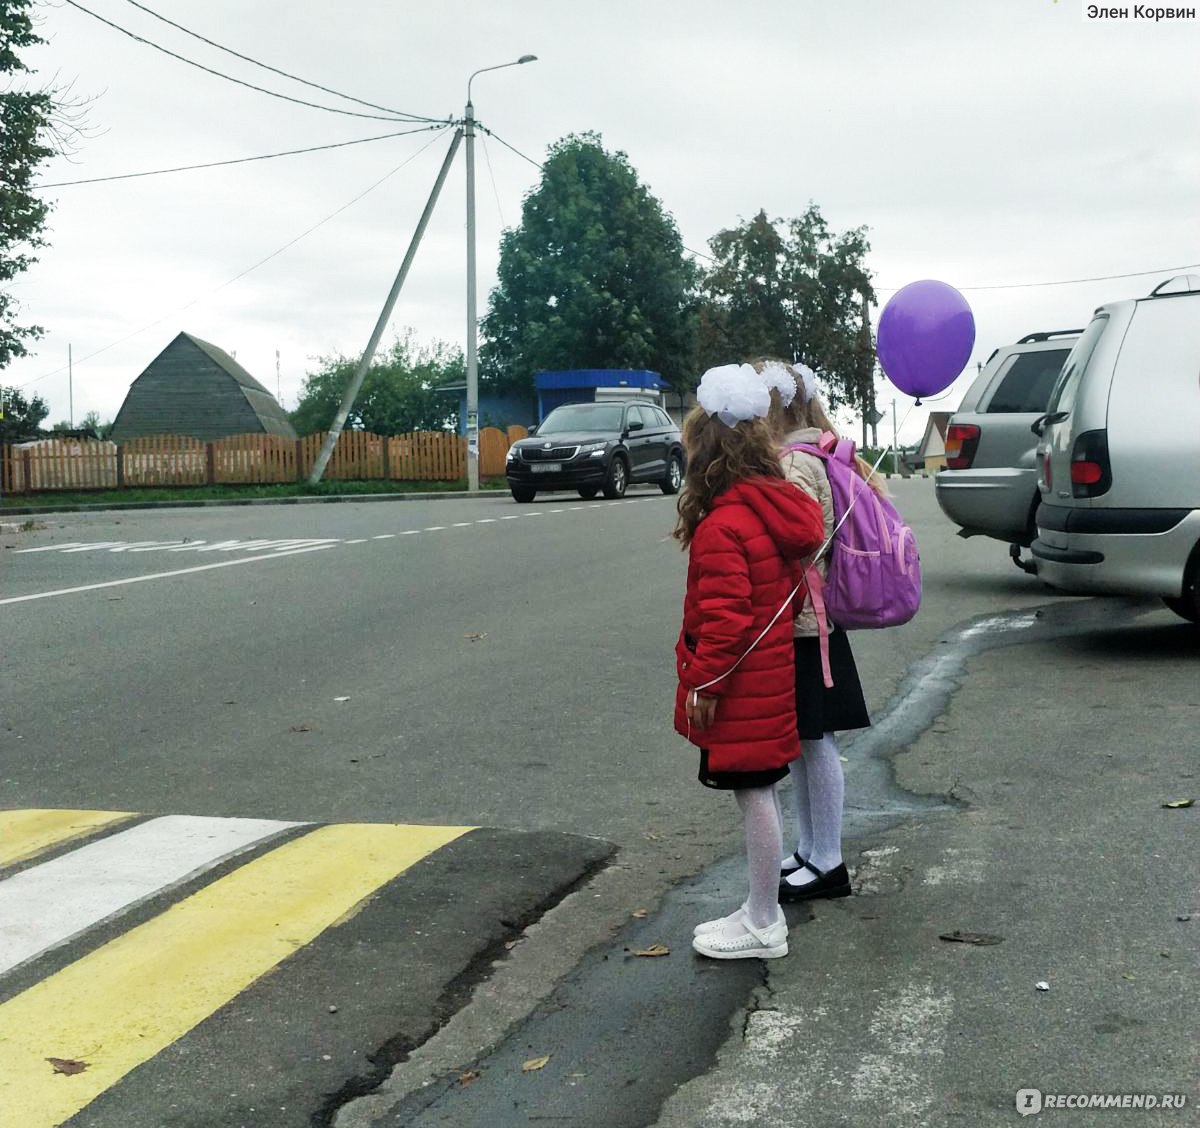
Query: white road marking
[
  {"x": 435, "y": 528},
  {"x": 462, "y": 524},
  {"x": 908, "y": 1031},
  {"x": 48, "y": 548},
  {"x": 384, "y": 536},
  {"x": 512, "y": 517},
  {"x": 46, "y": 905},
  {"x": 90, "y": 547},
  {"x": 410, "y": 532},
  {"x": 163, "y": 575},
  {"x": 357, "y": 540},
  {"x": 486, "y": 521}
]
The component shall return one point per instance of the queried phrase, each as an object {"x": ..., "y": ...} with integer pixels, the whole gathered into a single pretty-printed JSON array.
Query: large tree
[
  {"x": 793, "y": 289},
  {"x": 594, "y": 277},
  {"x": 399, "y": 393},
  {"x": 20, "y": 418},
  {"x": 26, "y": 126}
]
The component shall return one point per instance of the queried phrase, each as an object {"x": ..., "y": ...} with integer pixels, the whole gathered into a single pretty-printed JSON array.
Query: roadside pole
[{"x": 339, "y": 421}]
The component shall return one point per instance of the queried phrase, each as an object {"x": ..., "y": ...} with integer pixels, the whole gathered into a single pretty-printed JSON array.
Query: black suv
[{"x": 592, "y": 447}]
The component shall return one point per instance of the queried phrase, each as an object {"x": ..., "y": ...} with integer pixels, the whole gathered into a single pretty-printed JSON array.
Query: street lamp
[{"x": 472, "y": 319}]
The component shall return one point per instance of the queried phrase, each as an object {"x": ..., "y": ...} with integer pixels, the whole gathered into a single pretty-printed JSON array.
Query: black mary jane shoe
[
  {"x": 829, "y": 883},
  {"x": 800, "y": 864}
]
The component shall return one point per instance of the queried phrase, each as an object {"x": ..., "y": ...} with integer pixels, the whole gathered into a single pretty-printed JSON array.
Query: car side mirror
[{"x": 635, "y": 426}]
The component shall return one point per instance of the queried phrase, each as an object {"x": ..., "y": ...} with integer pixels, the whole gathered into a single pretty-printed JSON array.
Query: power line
[
  {"x": 238, "y": 81},
  {"x": 265, "y": 156},
  {"x": 274, "y": 70},
  {"x": 248, "y": 270},
  {"x": 1065, "y": 281},
  {"x": 237, "y": 160},
  {"x": 492, "y": 133}
]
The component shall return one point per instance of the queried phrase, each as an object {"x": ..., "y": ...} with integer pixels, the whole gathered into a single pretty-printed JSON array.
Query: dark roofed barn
[{"x": 194, "y": 388}]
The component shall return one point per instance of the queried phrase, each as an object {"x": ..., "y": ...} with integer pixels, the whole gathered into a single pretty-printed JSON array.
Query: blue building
[
  {"x": 589, "y": 385},
  {"x": 551, "y": 389}
]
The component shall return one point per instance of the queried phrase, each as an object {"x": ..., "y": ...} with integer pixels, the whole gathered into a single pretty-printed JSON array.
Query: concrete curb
[{"x": 218, "y": 502}]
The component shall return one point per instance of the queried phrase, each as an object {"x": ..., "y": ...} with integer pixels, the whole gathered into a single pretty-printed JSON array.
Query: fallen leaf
[
  {"x": 654, "y": 950},
  {"x": 475, "y": 637},
  {"x": 67, "y": 1066},
  {"x": 1126, "y": 975},
  {"x": 1042, "y": 985},
  {"x": 341, "y": 699},
  {"x": 302, "y": 728},
  {"x": 1175, "y": 804},
  {"x": 468, "y": 1077},
  {"x": 534, "y": 1063},
  {"x": 640, "y": 913},
  {"x": 979, "y": 938}
]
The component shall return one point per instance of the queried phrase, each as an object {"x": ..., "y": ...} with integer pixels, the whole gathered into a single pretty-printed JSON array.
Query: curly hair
[{"x": 718, "y": 456}]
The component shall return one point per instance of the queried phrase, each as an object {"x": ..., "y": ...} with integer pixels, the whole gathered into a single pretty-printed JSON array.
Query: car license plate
[{"x": 545, "y": 467}]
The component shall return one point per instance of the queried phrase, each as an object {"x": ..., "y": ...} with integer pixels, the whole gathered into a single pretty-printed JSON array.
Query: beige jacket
[{"x": 808, "y": 472}]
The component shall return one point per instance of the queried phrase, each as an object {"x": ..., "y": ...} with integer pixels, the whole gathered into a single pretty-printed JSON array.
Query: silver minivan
[
  {"x": 990, "y": 484},
  {"x": 1119, "y": 453}
]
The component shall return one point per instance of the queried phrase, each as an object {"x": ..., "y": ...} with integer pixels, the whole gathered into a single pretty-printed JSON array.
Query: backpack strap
[{"x": 816, "y": 590}]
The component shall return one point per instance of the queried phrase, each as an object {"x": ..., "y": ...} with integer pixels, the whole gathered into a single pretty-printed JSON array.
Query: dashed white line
[
  {"x": 163, "y": 575},
  {"x": 384, "y": 536},
  {"x": 462, "y": 524},
  {"x": 434, "y": 528},
  {"x": 357, "y": 540}
]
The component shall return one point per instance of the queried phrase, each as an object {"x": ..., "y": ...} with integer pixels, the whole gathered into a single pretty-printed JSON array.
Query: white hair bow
[{"x": 733, "y": 392}]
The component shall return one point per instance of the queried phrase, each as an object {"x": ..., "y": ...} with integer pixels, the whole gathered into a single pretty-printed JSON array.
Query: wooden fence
[{"x": 178, "y": 460}]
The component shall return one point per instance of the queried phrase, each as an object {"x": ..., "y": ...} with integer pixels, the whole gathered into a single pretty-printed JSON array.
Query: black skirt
[
  {"x": 820, "y": 710},
  {"x": 737, "y": 781}
]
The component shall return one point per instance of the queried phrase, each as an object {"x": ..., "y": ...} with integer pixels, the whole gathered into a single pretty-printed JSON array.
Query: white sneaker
[
  {"x": 734, "y": 917},
  {"x": 739, "y": 940}
]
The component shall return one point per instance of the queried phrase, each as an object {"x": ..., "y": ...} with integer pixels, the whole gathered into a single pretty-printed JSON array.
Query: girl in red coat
[{"x": 746, "y": 529}]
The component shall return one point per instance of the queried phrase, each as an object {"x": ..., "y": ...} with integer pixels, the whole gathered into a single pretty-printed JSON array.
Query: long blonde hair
[
  {"x": 804, "y": 412},
  {"x": 717, "y": 456}
]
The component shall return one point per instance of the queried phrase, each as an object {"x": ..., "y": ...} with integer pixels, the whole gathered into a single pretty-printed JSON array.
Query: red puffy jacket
[{"x": 744, "y": 560}]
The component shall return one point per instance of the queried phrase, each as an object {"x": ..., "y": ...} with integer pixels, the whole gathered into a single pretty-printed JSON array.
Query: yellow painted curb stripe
[
  {"x": 130, "y": 999},
  {"x": 24, "y": 834}
]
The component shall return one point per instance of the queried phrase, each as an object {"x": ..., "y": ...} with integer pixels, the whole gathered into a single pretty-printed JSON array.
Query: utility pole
[
  {"x": 339, "y": 420},
  {"x": 472, "y": 421}
]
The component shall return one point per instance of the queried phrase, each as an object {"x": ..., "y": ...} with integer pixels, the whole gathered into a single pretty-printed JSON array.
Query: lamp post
[{"x": 472, "y": 318}]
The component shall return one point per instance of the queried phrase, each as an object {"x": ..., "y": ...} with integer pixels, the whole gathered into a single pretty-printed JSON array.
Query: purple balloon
[{"x": 926, "y": 333}]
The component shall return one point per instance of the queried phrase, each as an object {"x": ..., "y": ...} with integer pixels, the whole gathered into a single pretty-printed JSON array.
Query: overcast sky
[{"x": 996, "y": 145}]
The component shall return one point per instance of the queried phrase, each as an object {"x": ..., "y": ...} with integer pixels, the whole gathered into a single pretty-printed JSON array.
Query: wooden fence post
[
  {"x": 26, "y": 474},
  {"x": 120, "y": 466},
  {"x": 210, "y": 464}
]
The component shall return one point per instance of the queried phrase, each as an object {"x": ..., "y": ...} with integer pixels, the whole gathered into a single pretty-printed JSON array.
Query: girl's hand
[{"x": 701, "y": 709}]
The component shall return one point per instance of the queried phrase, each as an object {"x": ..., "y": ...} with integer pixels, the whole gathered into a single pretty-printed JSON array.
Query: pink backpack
[{"x": 874, "y": 575}]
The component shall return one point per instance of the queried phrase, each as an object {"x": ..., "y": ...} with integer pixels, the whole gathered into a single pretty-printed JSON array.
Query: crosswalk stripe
[
  {"x": 127, "y": 1001},
  {"x": 45, "y": 906},
  {"x": 25, "y": 834}
]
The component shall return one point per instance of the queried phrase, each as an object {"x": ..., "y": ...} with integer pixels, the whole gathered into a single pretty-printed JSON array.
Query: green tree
[
  {"x": 594, "y": 277},
  {"x": 794, "y": 289},
  {"x": 22, "y": 418},
  {"x": 26, "y": 122},
  {"x": 398, "y": 395}
]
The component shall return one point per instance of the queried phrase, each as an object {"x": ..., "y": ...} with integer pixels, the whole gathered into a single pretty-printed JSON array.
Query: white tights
[
  {"x": 764, "y": 844},
  {"x": 819, "y": 788}
]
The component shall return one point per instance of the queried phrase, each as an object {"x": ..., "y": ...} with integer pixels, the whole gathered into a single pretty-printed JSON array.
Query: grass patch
[{"x": 180, "y": 494}]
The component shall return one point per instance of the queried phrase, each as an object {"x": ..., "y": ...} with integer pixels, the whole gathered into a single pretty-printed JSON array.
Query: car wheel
[
  {"x": 588, "y": 492},
  {"x": 617, "y": 478},
  {"x": 523, "y": 493},
  {"x": 671, "y": 483},
  {"x": 1187, "y": 605}
]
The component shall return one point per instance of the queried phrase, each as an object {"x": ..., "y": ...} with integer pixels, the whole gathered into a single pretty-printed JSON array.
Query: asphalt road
[{"x": 465, "y": 663}]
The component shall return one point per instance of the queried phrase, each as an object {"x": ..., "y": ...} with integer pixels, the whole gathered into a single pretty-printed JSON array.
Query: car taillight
[
  {"x": 1091, "y": 474},
  {"x": 1046, "y": 469},
  {"x": 962, "y": 440}
]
